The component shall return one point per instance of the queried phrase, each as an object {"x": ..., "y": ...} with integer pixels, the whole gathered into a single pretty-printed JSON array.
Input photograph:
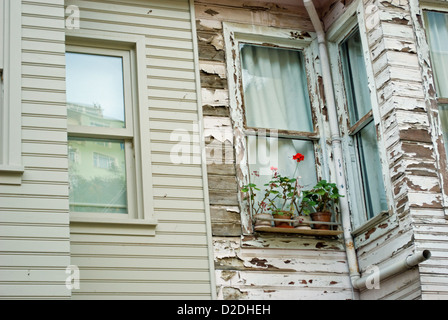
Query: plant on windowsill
[
  {"x": 320, "y": 202},
  {"x": 280, "y": 200}
]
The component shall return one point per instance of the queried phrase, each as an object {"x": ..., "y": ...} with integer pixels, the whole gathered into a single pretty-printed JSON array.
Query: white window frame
[
  {"x": 137, "y": 148},
  {"x": 11, "y": 167},
  {"x": 234, "y": 35},
  {"x": 341, "y": 30}
]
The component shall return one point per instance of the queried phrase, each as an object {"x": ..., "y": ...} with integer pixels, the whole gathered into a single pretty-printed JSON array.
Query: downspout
[
  {"x": 396, "y": 267},
  {"x": 336, "y": 141}
]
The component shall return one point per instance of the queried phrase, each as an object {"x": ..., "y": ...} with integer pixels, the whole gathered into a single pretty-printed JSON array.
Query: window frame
[
  {"x": 351, "y": 20},
  {"x": 137, "y": 148},
  {"x": 236, "y": 34},
  {"x": 11, "y": 166}
]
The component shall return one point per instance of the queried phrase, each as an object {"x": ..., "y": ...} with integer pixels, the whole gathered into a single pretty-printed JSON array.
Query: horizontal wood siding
[
  {"x": 34, "y": 221},
  {"x": 175, "y": 263}
]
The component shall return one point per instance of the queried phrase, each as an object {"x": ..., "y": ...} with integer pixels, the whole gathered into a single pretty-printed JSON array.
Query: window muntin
[
  {"x": 278, "y": 113},
  {"x": 101, "y": 136},
  {"x": 362, "y": 129}
]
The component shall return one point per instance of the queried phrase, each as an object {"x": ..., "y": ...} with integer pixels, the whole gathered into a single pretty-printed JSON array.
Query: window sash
[
  {"x": 357, "y": 92},
  {"x": 122, "y": 134},
  {"x": 370, "y": 171},
  {"x": 128, "y": 130}
]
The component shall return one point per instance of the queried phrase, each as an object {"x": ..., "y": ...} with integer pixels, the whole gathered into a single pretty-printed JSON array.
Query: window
[
  {"x": 436, "y": 25},
  {"x": 101, "y": 114},
  {"x": 366, "y": 166},
  {"x": 272, "y": 77},
  {"x": 108, "y": 152},
  {"x": 276, "y": 100},
  {"x": 11, "y": 168}
]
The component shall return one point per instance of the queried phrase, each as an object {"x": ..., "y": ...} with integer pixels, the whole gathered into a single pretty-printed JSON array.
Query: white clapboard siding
[
  {"x": 34, "y": 222},
  {"x": 174, "y": 264}
]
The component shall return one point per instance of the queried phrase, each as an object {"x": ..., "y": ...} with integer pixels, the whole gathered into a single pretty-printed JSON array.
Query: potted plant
[
  {"x": 319, "y": 202},
  {"x": 280, "y": 197}
]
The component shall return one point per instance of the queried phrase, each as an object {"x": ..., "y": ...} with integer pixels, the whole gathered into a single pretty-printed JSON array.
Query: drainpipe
[
  {"x": 396, "y": 267},
  {"x": 336, "y": 141}
]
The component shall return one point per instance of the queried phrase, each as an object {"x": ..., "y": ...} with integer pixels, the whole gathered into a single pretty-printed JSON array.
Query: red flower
[{"x": 299, "y": 157}]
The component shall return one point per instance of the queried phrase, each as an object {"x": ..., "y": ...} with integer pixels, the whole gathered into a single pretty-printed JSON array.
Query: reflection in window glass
[
  {"x": 264, "y": 153},
  {"x": 375, "y": 198},
  {"x": 275, "y": 89},
  {"x": 97, "y": 174},
  {"x": 95, "y": 90}
]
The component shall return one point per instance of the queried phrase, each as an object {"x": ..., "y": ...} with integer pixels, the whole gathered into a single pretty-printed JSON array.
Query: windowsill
[
  {"x": 308, "y": 232},
  {"x": 112, "y": 225},
  {"x": 11, "y": 175},
  {"x": 371, "y": 223}
]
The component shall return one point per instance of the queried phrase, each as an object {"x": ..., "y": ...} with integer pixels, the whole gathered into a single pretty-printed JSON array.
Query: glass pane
[
  {"x": 97, "y": 173},
  {"x": 372, "y": 177},
  {"x": 355, "y": 78},
  {"x": 266, "y": 153},
  {"x": 443, "y": 115},
  {"x": 275, "y": 89},
  {"x": 95, "y": 92},
  {"x": 436, "y": 24}
]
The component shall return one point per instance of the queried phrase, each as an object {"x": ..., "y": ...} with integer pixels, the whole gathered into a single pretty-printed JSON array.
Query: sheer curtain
[
  {"x": 276, "y": 97},
  {"x": 275, "y": 89}
]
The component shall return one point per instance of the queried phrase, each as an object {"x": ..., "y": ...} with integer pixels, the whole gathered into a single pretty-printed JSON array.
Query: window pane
[
  {"x": 443, "y": 115},
  {"x": 264, "y": 153},
  {"x": 437, "y": 35},
  {"x": 355, "y": 78},
  {"x": 275, "y": 89},
  {"x": 95, "y": 92},
  {"x": 97, "y": 173},
  {"x": 374, "y": 192}
]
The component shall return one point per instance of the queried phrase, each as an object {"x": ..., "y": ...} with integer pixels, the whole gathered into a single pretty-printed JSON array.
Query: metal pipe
[
  {"x": 395, "y": 268},
  {"x": 335, "y": 139}
]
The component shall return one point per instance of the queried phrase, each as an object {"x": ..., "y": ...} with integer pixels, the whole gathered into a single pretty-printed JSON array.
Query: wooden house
[{"x": 129, "y": 129}]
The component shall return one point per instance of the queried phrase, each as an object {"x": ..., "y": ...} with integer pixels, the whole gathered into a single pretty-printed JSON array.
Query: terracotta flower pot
[
  {"x": 323, "y": 217},
  {"x": 283, "y": 215}
]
